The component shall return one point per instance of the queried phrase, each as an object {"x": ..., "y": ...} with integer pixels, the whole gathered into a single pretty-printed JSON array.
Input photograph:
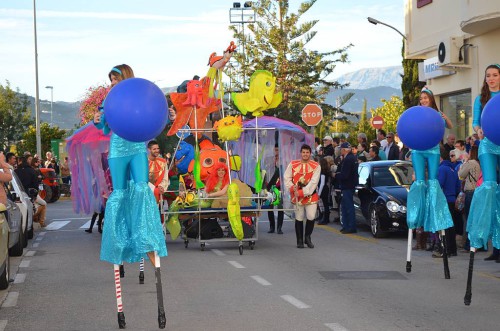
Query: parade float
[{"x": 245, "y": 146}]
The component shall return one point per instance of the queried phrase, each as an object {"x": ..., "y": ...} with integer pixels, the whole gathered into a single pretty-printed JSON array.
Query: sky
[{"x": 166, "y": 42}]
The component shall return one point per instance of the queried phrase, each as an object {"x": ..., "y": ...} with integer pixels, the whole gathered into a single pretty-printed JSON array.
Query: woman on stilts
[
  {"x": 483, "y": 222},
  {"x": 427, "y": 206},
  {"x": 133, "y": 227}
]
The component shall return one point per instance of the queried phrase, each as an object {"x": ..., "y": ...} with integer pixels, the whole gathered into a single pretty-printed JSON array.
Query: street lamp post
[
  {"x": 242, "y": 15},
  {"x": 375, "y": 22},
  {"x": 37, "y": 99},
  {"x": 51, "y": 101}
]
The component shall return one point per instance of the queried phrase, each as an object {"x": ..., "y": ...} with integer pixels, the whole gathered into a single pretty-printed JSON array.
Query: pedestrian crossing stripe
[
  {"x": 87, "y": 225},
  {"x": 56, "y": 225}
]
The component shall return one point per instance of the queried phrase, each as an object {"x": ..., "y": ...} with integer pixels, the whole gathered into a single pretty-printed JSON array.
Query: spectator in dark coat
[
  {"x": 392, "y": 149},
  {"x": 348, "y": 179},
  {"x": 328, "y": 149},
  {"x": 26, "y": 174},
  {"x": 450, "y": 184}
]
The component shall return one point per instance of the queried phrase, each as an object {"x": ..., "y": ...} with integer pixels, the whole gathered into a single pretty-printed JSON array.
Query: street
[{"x": 347, "y": 282}]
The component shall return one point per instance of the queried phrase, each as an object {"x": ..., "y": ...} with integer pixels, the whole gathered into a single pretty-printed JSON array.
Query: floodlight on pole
[
  {"x": 375, "y": 22},
  {"x": 242, "y": 16},
  {"x": 37, "y": 98},
  {"x": 51, "y": 101}
]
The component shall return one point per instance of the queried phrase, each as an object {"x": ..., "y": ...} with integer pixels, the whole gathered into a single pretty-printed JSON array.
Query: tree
[
  {"x": 364, "y": 123},
  {"x": 335, "y": 118},
  {"x": 277, "y": 43},
  {"x": 15, "y": 115},
  {"x": 410, "y": 85},
  {"x": 47, "y": 134},
  {"x": 390, "y": 111}
]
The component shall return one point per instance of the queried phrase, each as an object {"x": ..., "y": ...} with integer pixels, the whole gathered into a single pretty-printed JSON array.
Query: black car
[{"x": 380, "y": 197}]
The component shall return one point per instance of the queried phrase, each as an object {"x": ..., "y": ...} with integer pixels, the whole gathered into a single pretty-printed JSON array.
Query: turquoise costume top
[
  {"x": 118, "y": 146},
  {"x": 426, "y": 204},
  {"x": 483, "y": 222},
  {"x": 132, "y": 224}
]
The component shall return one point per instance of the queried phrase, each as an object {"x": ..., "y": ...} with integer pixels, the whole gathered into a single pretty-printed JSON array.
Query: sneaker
[{"x": 437, "y": 255}]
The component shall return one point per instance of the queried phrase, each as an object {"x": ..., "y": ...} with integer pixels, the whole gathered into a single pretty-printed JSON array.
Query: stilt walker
[
  {"x": 422, "y": 128},
  {"x": 133, "y": 224},
  {"x": 483, "y": 222}
]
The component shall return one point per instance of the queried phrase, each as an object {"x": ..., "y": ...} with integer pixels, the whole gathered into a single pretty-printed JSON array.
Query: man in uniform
[
  {"x": 301, "y": 179},
  {"x": 158, "y": 170}
]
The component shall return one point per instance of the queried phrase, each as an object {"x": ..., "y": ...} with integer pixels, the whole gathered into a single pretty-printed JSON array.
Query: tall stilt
[
  {"x": 162, "y": 320},
  {"x": 445, "y": 255},
  {"x": 468, "y": 291},
  {"x": 408, "y": 250},
  {"x": 141, "y": 271},
  {"x": 119, "y": 304}
]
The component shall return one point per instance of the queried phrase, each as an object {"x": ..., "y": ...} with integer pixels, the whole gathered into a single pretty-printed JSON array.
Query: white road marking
[
  {"x": 11, "y": 300},
  {"x": 236, "y": 264},
  {"x": 86, "y": 225},
  {"x": 42, "y": 233},
  {"x": 3, "y": 325},
  {"x": 30, "y": 253},
  {"x": 24, "y": 264},
  {"x": 65, "y": 219},
  {"x": 218, "y": 252},
  {"x": 261, "y": 280},
  {"x": 335, "y": 327},
  {"x": 35, "y": 245},
  {"x": 39, "y": 238},
  {"x": 20, "y": 278},
  {"x": 56, "y": 225},
  {"x": 295, "y": 302}
]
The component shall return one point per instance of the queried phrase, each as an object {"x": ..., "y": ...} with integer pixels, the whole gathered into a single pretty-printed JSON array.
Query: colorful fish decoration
[{"x": 260, "y": 96}]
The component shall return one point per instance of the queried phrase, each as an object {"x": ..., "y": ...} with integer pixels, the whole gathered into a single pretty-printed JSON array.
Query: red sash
[
  {"x": 156, "y": 174},
  {"x": 302, "y": 174}
]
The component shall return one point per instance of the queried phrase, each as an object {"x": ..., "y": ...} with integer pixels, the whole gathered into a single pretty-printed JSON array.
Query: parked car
[
  {"x": 51, "y": 187},
  {"x": 24, "y": 200},
  {"x": 380, "y": 197},
  {"x": 4, "y": 249},
  {"x": 17, "y": 235}
]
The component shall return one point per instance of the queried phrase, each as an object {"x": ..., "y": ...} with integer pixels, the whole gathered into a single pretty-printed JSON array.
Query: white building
[{"x": 457, "y": 39}]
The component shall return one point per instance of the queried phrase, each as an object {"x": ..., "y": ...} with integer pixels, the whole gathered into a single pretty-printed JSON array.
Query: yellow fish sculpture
[
  {"x": 229, "y": 128},
  {"x": 260, "y": 96},
  {"x": 233, "y": 210}
]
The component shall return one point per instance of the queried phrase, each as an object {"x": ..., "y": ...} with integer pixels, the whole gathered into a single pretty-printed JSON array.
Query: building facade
[{"x": 457, "y": 39}]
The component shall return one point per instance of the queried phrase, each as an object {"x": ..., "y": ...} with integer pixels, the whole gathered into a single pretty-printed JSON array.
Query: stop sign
[
  {"x": 377, "y": 122},
  {"x": 312, "y": 114}
]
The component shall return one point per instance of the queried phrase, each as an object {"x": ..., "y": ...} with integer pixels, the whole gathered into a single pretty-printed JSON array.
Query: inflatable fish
[
  {"x": 260, "y": 96},
  {"x": 229, "y": 128},
  {"x": 184, "y": 154}
]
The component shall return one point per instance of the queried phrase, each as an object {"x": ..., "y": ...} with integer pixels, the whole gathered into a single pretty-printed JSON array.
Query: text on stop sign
[{"x": 316, "y": 114}]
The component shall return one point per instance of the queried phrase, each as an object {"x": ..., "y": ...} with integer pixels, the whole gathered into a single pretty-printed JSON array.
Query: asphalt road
[{"x": 347, "y": 282}]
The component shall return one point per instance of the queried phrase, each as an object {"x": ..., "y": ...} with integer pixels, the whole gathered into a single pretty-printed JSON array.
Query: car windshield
[{"x": 393, "y": 175}]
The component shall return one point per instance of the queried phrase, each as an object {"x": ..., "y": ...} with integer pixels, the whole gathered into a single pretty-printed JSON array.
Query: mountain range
[{"x": 372, "y": 84}]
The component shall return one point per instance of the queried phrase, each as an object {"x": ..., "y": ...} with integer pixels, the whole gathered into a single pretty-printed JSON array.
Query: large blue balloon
[
  {"x": 420, "y": 128},
  {"x": 136, "y": 110},
  {"x": 490, "y": 119}
]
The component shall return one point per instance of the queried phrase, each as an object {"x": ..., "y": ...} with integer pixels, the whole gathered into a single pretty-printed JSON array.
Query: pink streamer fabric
[{"x": 87, "y": 150}]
